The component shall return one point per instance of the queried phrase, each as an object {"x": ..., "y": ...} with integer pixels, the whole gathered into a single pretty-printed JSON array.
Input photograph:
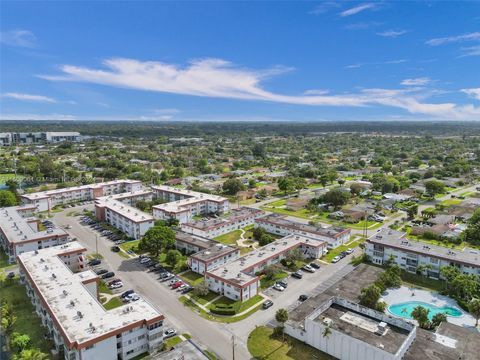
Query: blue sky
[{"x": 300, "y": 61}]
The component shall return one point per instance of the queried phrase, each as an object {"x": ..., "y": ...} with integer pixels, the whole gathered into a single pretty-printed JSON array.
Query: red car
[{"x": 177, "y": 284}]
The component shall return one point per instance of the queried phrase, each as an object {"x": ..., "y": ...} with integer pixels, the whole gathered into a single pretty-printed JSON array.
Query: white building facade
[{"x": 65, "y": 298}]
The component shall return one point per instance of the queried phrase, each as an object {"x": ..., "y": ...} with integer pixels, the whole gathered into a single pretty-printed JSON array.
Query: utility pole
[
  {"x": 96, "y": 244},
  {"x": 233, "y": 347}
]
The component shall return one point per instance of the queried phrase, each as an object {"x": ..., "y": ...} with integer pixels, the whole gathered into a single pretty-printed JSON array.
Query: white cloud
[
  {"x": 474, "y": 36},
  {"x": 221, "y": 79},
  {"x": 102, "y": 104},
  {"x": 324, "y": 7},
  {"x": 357, "y": 9},
  {"x": 416, "y": 81},
  {"x": 29, "y": 97},
  {"x": 315, "y": 92},
  {"x": 388, "y": 62},
  {"x": 392, "y": 33},
  {"x": 167, "y": 111},
  {"x": 474, "y": 93},
  {"x": 37, "y": 117},
  {"x": 470, "y": 51},
  {"x": 362, "y": 25},
  {"x": 20, "y": 38}
]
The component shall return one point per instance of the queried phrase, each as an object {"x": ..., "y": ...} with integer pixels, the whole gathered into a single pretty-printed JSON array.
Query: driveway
[{"x": 215, "y": 336}]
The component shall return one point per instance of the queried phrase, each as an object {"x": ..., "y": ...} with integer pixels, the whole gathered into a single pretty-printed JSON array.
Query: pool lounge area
[{"x": 401, "y": 302}]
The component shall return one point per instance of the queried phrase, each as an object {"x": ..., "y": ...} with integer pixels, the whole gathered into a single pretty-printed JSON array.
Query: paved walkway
[{"x": 205, "y": 307}]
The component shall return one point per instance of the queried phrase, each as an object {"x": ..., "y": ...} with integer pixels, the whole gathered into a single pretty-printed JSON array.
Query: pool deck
[{"x": 404, "y": 294}]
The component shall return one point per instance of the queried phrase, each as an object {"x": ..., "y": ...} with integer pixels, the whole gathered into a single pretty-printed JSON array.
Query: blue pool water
[{"x": 405, "y": 309}]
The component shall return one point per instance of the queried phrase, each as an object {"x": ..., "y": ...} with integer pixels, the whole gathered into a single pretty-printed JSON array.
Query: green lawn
[
  {"x": 103, "y": 288},
  {"x": 414, "y": 280},
  {"x": 263, "y": 345},
  {"x": 250, "y": 302},
  {"x": 265, "y": 283},
  {"x": 450, "y": 202},
  {"x": 129, "y": 245},
  {"x": 192, "y": 278},
  {"x": 204, "y": 299},
  {"x": 334, "y": 252},
  {"x": 5, "y": 177},
  {"x": 27, "y": 320},
  {"x": 169, "y": 343},
  {"x": 113, "y": 303},
  {"x": 248, "y": 201},
  {"x": 229, "y": 238}
]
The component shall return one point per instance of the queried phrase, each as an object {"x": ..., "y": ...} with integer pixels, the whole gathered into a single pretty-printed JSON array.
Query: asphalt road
[{"x": 215, "y": 336}]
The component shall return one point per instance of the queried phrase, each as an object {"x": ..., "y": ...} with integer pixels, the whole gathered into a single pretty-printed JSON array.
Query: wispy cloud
[
  {"x": 474, "y": 36},
  {"x": 357, "y": 9},
  {"x": 416, "y": 81},
  {"x": 102, "y": 104},
  {"x": 36, "y": 117},
  {"x": 19, "y": 37},
  {"x": 392, "y": 33},
  {"x": 363, "y": 25},
  {"x": 388, "y": 62},
  {"x": 474, "y": 92},
  {"x": 29, "y": 97},
  {"x": 222, "y": 79},
  {"x": 470, "y": 51},
  {"x": 324, "y": 7}
]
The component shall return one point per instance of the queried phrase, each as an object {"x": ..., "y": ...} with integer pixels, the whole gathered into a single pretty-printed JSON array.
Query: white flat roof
[
  {"x": 66, "y": 287},
  {"x": 235, "y": 271},
  {"x": 192, "y": 197},
  {"x": 47, "y": 193},
  {"x": 17, "y": 229},
  {"x": 127, "y": 211}
]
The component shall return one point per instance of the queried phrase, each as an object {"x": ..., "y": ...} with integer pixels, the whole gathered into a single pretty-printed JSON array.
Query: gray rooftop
[{"x": 398, "y": 240}]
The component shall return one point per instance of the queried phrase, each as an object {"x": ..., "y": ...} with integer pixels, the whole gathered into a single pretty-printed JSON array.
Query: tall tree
[
  {"x": 281, "y": 316},
  {"x": 474, "y": 309},
  {"x": 156, "y": 239}
]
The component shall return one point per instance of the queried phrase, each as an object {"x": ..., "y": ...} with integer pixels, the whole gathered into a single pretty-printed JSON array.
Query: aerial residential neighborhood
[{"x": 236, "y": 180}]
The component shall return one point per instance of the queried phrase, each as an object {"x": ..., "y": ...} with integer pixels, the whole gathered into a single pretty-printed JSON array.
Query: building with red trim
[{"x": 65, "y": 297}]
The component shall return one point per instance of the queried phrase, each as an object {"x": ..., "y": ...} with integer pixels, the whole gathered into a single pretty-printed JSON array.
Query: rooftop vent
[
  {"x": 79, "y": 314},
  {"x": 65, "y": 292},
  {"x": 72, "y": 303},
  {"x": 54, "y": 276}
]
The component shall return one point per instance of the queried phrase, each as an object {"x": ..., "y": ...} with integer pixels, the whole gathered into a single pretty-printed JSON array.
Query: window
[{"x": 90, "y": 347}]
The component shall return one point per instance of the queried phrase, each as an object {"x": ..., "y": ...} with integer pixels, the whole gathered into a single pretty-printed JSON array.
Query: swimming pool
[{"x": 405, "y": 309}]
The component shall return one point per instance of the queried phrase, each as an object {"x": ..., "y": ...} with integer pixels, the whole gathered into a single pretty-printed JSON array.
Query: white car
[
  {"x": 278, "y": 287},
  {"x": 349, "y": 251},
  {"x": 144, "y": 260},
  {"x": 116, "y": 285},
  {"x": 336, "y": 259},
  {"x": 325, "y": 252},
  {"x": 308, "y": 268},
  {"x": 132, "y": 297},
  {"x": 169, "y": 333},
  {"x": 181, "y": 287}
]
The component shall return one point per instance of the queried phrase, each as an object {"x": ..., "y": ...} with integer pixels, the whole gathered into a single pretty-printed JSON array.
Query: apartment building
[
  {"x": 8, "y": 139},
  {"x": 46, "y": 200},
  {"x": 237, "y": 280},
  {"x": 65, "y": 297},
  {"x": 212, "y": 257},
  {"x": 183, "y": 205},
  {"x": 19, "y": 232},
  {"x": 192, "y": 244},
  {"x": 122, "y": 216},
  {"x": 212, "y": 227},
  {"x": 278, "y": 224},
  {"x": 393, "y": 245},
  {"x": 356, "y": 332}
]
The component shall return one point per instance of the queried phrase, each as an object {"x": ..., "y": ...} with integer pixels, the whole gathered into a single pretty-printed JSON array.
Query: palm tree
[
  {"x": 474, "y": 308},
  {"x": 282, "y": 316},
  {"x": 327, "y": 331}
]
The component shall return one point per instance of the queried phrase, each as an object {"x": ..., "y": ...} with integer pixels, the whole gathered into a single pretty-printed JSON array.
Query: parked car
[
  {"x": 278, "y": 287},
  {"x": 116, "y": 285},
  {"x": 169, "y": 333},
  {"x": 127, "y": 293},
  {"x": 267, "y": 304},
  {"x": 168, "y": 277},
  {"x": 283, "y": 283},
  {"x": 144, "y": 260},
  {"x": 315, "y": 265},
  {"x": 336, "y": 259},
  {"x": 308, "y": 268},
  {"x": 115, "y": 249},
  {"x": 187, "y": 289},
  {"x": 182, "y": 287},
  {"x": 101, "y": 271},
  {"x": 297, "y": 275},
  {"x": 131, "y": 297},
  {"x": 94, "y": 262},
  {"x": 111, "y": 282},
  {"x": 303, "y": 297},
  {"x": 108, "y": 275},
  {"x": 177, "y": 284},
  {"x": 349, "y": 251}
]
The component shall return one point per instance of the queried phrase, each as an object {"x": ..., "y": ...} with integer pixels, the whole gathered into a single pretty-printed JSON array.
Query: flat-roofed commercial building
[
  {"x": 278, "y": 224},
  {"x": 236, "y": 219},
  {"x": 19, "y": 232},
  {"x": 46, "y": 200},
  {"x": 237, "y": 280},
  {"x": 66, "y": 300},
  {"x": 122, "y": 216},
  {"x": 393, "y": 245},
  {"x": 183, "y": 205},
  {"x": 356, "y": 332},
  {"x": 7, "y": 139}
]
